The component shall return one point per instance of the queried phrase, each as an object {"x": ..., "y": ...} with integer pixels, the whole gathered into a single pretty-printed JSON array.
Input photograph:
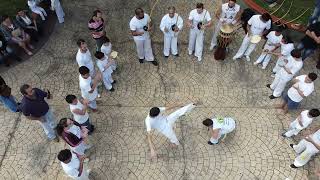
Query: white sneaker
[
  {"x": 235, "y": 57},
  {"x": 255, "y": 63},
  {"x": 190, "y": 53},
  {"x": 211, "y": 47},
  {"x": 99, "y": 95},
  {"x": 263, "y": 67},
  {"x": 199, "y": 59},
  {"x": 248, "y": 58}
]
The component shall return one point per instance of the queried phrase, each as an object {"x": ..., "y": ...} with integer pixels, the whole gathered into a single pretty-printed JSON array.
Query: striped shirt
[{"x": 96, "y": 26}]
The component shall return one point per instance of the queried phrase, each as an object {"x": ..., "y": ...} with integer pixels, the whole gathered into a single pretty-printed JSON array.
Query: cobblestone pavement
[{"x": 255, "y": 150}]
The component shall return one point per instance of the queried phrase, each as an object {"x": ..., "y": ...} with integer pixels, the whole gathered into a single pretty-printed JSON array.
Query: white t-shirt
[
  {"x": 138, "y": 24},
  {"x": 85, "y": 59},
  {"x": 293, "y": 65},
  {"x": 167, "y": 22},
  {"x": 101, "y": 65},
  {"x": 85, "y": 87},
  {"x": 306, "y": 120},
  {"x": 229, "y": 14},
  {"x": 286, "y": 49},
  {"x": 106, "y": 49},
  {"x": 196, "y": 18},
  {"x": 306, "y": 88},
  {"x": 72, "y": 168},
  {"x": 75, "y": 130},
  {"x": 257, "y": 25},
  {"x": 159, "y": 123},
  {"x": 225, "y": 125},
  {"x": 77, "y": 117},
  {"x": 316, "y": 137},
  {"x": 273, "y": 39}
]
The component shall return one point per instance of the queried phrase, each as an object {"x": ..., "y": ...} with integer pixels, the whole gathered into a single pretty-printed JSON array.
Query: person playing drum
[{"x": 229, "y": 13}]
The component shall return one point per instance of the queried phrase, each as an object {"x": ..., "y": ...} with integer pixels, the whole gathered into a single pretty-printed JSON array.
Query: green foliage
[
  {"x": 10, "y": 7},
  {"x": 289, "y": 14}
]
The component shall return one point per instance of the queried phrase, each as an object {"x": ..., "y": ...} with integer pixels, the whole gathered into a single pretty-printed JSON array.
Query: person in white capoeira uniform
[
  {"x": 171, "y": 24},
  {"x": 199, "y": 19},
  {"x": 229, "y": 13},
  {"x": 257, "y": 25},
  {"x": 164, "y": 124},
  {"x": 273, "y": 41},
  {"x": 286, "y": 73},
  {"x": 219, "y": 127},
  {"x": 286, "y": 46},
  {"x": 307, "y": 147},
  {"x": 303, "y": 121},
  {"x": 140, "y": 26}
]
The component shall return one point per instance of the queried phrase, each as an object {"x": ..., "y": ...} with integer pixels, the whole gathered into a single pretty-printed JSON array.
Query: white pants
[
  {"x": 39, "y": 10},
  {"x": 171, "y": 119},
  {"x": 279, "y": 63},
  {"x": 59, "y": 12},
  {"x": 246, "y": 47},
  {"x": 265, "y": 57},
  {"x": 107, "y": 81},
  {"x": 144, "y": 49},
  {"x": 222, "y": 132},
  {"x": 84, "y": 175},
  {"x": 305, "y": 150},
  {"x": 293, "y": 130},
  {"x": 278, "y": 85},
  {"x": 215, "y": 33},
  {"x": 196, "y": 42},
  {"x": 170, "y": 43},
  {"x": 80, "y": 148}
]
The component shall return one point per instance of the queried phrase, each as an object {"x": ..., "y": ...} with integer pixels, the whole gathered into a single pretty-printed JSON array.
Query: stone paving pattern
[{"x": 255, "y": 150}]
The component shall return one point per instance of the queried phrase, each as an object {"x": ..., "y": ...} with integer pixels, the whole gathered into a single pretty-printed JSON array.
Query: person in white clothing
[
  {"x": 219, "y": 127},
  {"x": 286, "y": 73},
  {"x": 73, "y": 165},
  {"x": 164, "y": 124},
  {"x": 303, "y": 121},
  {"x": 37, "y": 9},
  {"x": 79, "y": 111},
  {"x": 302, "y": 87},
  {"x": 106, "y": 48},
  {"x": 171, "y": 24},
  {"x": 286, "y": 46},
  {"x": 273, "y": 41},
  {"x": 140, "y": 26},
  {"x": 88, "y": 86},
  {"x": 306, "y": 148},
  {"x": 199, "y": 19},
  {"x": 104, "y": 64},
  {"x": 257, "y": 25},
  {"x": 228, "y": 13},
  {"x": 56, "y": 6},
  {"x": 74, "y": 135},
  {"x": 84, "y": 57}
]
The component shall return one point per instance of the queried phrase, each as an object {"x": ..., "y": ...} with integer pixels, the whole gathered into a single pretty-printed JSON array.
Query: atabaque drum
[{"x": 223, "y": 40}]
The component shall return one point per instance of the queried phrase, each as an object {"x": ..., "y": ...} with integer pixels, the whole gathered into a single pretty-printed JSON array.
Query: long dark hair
[{"x": 61, "y": 125}]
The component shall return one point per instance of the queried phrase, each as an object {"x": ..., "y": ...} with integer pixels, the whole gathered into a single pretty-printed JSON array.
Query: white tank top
[{"x": 77, "y": 117}]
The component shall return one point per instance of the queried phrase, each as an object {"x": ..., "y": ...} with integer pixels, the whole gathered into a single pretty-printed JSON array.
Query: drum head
[
  {"x": 114, "y": 54},
  {"x": 226, "y": 28},
  {"x": 255, "y": 39}
]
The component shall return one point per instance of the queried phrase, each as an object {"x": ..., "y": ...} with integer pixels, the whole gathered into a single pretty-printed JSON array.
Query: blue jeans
[
  {"x": 305, "y": 52},
  {"x": 90, "y": 127},
  {"x": 48, "y": 124},
  {"x": 315, "y": 16},
  {"x": 10, "y": 103}
]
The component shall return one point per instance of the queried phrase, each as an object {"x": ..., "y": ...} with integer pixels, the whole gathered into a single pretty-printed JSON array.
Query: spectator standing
[
  {"x": 96, "y": 26},
  {"x": 311, "y": 40}
]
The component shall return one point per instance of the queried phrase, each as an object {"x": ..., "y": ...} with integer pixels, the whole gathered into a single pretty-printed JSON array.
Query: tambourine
[
  {"x": 199, "y": 25},
  {"x": 145, "y": 28},
  {"x": 173, "y": 27}
]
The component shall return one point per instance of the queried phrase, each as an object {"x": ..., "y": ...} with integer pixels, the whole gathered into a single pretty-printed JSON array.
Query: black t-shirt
[{"x": 307, "y": 41}]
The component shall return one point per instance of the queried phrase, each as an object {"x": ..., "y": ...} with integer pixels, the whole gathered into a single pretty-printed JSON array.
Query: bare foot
[
  {"x": 173, "y": 145},
  {"x": 94, "y": 110}
]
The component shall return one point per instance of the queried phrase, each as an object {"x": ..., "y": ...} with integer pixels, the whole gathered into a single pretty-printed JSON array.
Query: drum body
[{"x": 223, "y": 40}]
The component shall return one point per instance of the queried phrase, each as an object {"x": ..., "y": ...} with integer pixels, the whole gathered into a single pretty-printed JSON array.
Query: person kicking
[{"x": 164, "y": 124}]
